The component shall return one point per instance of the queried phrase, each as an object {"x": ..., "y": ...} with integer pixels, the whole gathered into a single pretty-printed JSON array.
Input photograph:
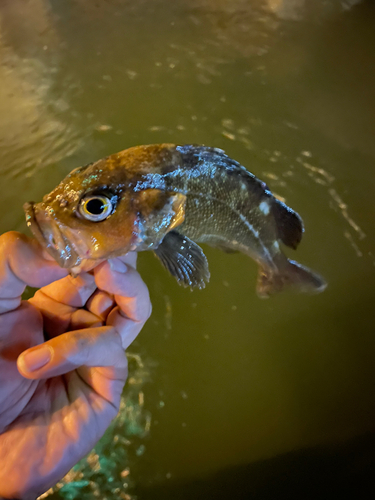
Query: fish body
[{"x": 168, "y": 198}]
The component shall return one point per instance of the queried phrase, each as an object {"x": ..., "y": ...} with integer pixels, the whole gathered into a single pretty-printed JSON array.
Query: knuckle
[
  {"x": 144, "y": 313},
  {"x": 79, "y": 348},
  {"x": 149, "y": 310},
  {"x": 114, "y": 338},
  {"x": 10, "y": 239},
  {"x": 80, "y": 342}
]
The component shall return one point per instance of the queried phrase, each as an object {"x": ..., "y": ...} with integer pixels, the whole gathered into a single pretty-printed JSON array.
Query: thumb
[{"x": 91, "y": 347}]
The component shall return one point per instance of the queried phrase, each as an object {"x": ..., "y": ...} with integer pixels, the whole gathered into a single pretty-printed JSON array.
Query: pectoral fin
[{"x": 184, "y": 259}]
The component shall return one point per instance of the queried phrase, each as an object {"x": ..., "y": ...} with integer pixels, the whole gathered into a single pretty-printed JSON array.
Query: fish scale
[{"x": 168, "y": 198}]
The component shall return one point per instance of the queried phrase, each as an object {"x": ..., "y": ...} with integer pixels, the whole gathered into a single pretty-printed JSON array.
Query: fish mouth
[{"x": 50, "y": 236}]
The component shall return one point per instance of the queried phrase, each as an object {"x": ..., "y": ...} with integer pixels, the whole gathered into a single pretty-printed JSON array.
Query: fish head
[{"x": 102, "y": 211}]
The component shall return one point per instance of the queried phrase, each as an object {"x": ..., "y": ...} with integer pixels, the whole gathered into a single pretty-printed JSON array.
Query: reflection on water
[
  {"x": 286, "y": 88},
  {"x": 106, "y": 469},
  {"x": 36, "y": 132}
]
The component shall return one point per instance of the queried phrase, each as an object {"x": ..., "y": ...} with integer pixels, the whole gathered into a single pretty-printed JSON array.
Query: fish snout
[{"x": 49, "y": 235}]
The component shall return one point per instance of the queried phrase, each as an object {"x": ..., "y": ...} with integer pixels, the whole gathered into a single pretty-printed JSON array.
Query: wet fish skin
[{"x": 168, "y": 198}]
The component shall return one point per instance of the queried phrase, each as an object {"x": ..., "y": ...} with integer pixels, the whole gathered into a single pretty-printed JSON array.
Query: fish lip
[
  {"x": 32, "y": 223},
  {"x": 50, "y": 236}
]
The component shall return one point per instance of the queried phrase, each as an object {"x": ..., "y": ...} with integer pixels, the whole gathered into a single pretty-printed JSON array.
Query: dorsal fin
[{"x": 289, "y": 224}]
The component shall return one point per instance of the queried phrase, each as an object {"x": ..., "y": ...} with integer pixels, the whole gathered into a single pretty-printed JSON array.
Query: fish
[{"x": 167, "y": 198}]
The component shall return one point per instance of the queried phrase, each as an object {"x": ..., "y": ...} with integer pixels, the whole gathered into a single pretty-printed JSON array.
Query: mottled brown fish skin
[
  {"x": 196, "y": 192},
  {"x": 226, "y": 205}
]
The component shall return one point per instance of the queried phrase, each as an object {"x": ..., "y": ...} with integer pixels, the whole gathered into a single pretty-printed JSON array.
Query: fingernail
[
  {"x": 117, "y": 265},
  {"x": 36, "y": 358}
]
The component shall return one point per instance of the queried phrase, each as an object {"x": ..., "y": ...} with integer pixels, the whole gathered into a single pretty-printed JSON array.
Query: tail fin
[{"x": 291, "y": 275}]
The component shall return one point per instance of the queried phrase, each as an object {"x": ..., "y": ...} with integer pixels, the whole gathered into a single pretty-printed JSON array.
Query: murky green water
[{"x": 231, "y": 396}]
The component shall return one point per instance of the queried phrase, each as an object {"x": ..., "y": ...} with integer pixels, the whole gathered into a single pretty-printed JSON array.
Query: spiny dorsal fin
[
  {"x": 289, "y": 224},
  {"x": 184, "y": 259}
]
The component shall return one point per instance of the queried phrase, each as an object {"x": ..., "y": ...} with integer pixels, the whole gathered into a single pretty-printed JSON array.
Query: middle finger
[{"x": 71, "y": 291}]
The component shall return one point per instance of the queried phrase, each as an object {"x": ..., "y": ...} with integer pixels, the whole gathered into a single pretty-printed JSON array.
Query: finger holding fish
[
  {"x": 61, "y": 302},
  {"x": 129, "y": 258},
  {"x": 131, "y": 296},
  {"x": 101, "y": 303},
  {"x": 24, "y": 265},
  {"x": 70, "y": 291},
  {"x": 59, "y": 318}
]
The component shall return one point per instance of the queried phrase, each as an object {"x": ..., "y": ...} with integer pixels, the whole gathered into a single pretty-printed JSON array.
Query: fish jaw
[
  {"x": 49, "y": 235},
  {"x": 71, "y": 248}
]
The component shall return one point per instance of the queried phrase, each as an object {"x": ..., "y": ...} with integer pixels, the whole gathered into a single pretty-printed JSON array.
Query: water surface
[{"x": 229, "y": 394}]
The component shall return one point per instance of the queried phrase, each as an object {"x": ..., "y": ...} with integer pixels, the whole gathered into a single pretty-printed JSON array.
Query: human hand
[{"x": 57, "y": 400}]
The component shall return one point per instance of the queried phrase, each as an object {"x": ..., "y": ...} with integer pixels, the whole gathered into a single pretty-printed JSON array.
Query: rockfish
[{"x": 167, "y": 198}]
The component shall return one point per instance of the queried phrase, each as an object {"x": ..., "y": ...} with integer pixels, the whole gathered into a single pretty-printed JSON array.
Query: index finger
[{"x": 22, "y": 264}]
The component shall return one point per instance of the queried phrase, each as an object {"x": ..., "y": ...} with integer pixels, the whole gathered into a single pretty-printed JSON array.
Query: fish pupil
[{"x": 95, "y": 206}]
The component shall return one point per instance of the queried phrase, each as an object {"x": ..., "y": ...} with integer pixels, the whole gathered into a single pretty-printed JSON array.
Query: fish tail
[{"x": 291, "y": 275}]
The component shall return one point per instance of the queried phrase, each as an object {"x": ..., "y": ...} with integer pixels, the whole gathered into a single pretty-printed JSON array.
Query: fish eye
[{"x": 95, "y": 208}]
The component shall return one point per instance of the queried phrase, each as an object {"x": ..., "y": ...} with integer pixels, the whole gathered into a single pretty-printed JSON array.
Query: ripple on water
[{"x": 36, "y": 128}]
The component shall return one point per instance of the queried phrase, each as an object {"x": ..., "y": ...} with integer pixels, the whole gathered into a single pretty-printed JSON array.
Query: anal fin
[{"x": 184, "y": 259}]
